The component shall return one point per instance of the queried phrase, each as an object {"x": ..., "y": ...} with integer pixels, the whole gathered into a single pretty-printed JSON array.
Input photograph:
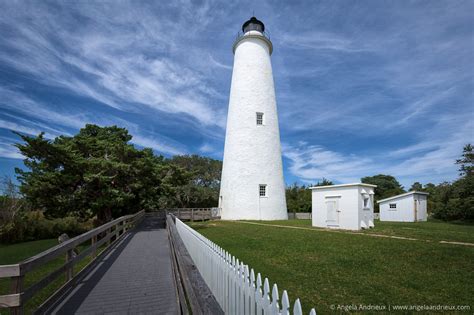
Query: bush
[
  {"x": 455, "y": 209},
  {"x": 29, "y": 226}
]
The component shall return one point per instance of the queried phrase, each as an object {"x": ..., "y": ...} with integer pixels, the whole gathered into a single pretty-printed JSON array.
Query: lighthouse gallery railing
[{"x": 233, "y": 283}]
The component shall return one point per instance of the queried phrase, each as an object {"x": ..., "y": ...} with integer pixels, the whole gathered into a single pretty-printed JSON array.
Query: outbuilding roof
[
  {"x": 343, "y": 185},
  {"x": 403, "y": 195}
]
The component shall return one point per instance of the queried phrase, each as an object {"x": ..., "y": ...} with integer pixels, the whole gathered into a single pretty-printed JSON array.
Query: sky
[{"x": 363, "y": 87}]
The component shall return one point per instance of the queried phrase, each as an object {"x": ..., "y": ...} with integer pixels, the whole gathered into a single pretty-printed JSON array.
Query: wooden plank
[
  {"x": 17, "y": 288},
  {"x": 7, "y": 271},
  {"x": 182, "y": 302},
  {"x": 192, "y": 214},
  {"x": 62, "y": 291},
  {"x": 201, "y": 300},
  {"x": 10, "y": 300},
  {"x": 16, "y": 272},
  {"x": 69, "y": 270},
  {"x": 60, "y": 249},
  {"x": 93, "y": 242},
  {"x": 33, "y": 289},
  {"x": 183, "y": 264}
]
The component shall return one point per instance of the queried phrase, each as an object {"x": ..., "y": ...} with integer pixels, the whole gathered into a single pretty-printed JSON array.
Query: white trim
[
  {"x": 251, "y": 34},
  {"x": 343, "y": 185},
  {"x": 404, "y": 195}
]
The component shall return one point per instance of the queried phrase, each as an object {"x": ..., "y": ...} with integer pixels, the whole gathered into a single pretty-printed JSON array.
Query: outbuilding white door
[{"x": 332, "y": 212}]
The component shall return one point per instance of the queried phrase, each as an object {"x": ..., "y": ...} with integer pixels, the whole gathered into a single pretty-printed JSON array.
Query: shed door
[
  {"x": 332, "y": 213},
  {"x": 416, "y": 210}
]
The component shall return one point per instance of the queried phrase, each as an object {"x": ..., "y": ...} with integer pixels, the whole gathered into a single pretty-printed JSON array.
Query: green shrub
[
  {"x": 455, "y": 209},
  {"x": 29, "y": 226}
]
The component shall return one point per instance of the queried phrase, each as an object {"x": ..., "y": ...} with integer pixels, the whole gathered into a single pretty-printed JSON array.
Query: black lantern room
[{"x": 253, "y": 25}]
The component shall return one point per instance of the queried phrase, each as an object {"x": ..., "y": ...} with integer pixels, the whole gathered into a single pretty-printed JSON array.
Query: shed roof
[
  {"x": 403, "y": 195},
  {"x": 342, "y": 185}
]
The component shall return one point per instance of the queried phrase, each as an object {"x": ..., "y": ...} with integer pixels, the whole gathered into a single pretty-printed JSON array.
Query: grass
[
  {"x": 432, "y": 230},
  {"x": 324, "y": 268},
  {"x": 11, "y": 254}
]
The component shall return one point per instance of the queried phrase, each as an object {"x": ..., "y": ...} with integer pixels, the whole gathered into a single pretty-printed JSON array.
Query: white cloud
[
  {"x": 313, "y": 162},
  {"x": 24, "y": 129},
  {"x": 319, "y": 40},
  {"x": 219, "y": 64},
  {"x": 206, "y": 148},
  {"x": 111, "y": 59},
  {"x": 399, "y": 78},
  {"x": 155, "y": 145},
  {"x": 429, "y": 160},
  {"x": 7, "y": 150},
  {"x": 70, "y": 119}
]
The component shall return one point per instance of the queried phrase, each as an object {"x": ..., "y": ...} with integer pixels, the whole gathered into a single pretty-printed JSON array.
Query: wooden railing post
[
  {"x": 69, "y": 270},
  {"x": 16, "y": 287},
  {"x": 192, "y": 215},
  {"x": 93, "y": 242},
  {"x": 107, "y": 233}
]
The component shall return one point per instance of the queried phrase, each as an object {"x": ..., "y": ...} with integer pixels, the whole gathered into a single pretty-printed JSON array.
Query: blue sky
[{"x": 363, "y": 87}]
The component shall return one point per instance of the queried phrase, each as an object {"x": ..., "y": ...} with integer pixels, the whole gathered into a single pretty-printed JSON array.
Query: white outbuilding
[
  {"x": 346, "y": 206},
  {"x": 408, "y": 207}
]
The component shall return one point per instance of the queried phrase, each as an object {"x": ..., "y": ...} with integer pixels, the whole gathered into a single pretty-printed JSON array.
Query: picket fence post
[{"x": 233, "y": 283}]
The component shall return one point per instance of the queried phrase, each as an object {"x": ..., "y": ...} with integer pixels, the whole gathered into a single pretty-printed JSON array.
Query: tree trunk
[{"x": 104, "y": 216}]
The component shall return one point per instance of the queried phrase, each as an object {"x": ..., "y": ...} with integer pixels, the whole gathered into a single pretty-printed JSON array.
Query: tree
[
  {"x": 324, "y": 182},
  {"x": 417, "y": 186},
  {"x": 10, "y": 201},
  {"x": 387, "y": 185},
  {"x": 94, "y": 173},
  {"x": 202, "y": 189},
  {"x": 466, "y": 161},
  {"x": 298, "y": 198},
  {"x": 455, "y": 201}
]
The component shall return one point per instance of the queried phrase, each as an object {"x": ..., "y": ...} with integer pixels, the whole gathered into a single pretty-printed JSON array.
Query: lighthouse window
[
  {"x": 262, "y": 190},
  {"x": 259, "y": 118}
]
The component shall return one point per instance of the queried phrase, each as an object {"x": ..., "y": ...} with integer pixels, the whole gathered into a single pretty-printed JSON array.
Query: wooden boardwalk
[{"x": 136, "y": 277}]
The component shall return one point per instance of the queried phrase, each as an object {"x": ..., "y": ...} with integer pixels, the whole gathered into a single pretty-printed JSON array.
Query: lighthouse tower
[{"x": 252, "y": 186}]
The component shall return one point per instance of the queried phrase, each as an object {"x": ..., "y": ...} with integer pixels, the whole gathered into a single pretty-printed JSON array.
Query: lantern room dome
[{"x": 253, "y": 25}]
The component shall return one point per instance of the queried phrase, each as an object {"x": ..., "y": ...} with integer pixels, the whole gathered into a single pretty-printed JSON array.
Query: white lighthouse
[{"x": 252, "y": 185}]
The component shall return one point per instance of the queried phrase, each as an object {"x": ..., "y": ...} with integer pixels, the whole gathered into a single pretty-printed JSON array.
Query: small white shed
[
  {"x": 346, "y": 206},
  {"x": 408, "y": 207}
]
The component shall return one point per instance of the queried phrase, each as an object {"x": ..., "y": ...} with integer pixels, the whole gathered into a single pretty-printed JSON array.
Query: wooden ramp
[{"x": 136, "y": 277}]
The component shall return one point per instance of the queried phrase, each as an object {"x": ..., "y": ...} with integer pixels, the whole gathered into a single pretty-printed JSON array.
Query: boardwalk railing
[
  {"x": 16, "y": 272},
  {"x": 233, "y": 284},
  {"x": 195, "y": 214}
]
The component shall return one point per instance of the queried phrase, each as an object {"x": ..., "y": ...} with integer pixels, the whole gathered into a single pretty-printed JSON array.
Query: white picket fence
[{"x": 234, "y": 285}]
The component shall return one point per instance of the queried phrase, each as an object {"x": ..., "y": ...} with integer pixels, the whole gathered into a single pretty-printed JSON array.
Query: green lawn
[
  {"x": 324, "y": 268},
  {"x": 430, "y": 230},
  {"x": 11, "y": 254}
]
